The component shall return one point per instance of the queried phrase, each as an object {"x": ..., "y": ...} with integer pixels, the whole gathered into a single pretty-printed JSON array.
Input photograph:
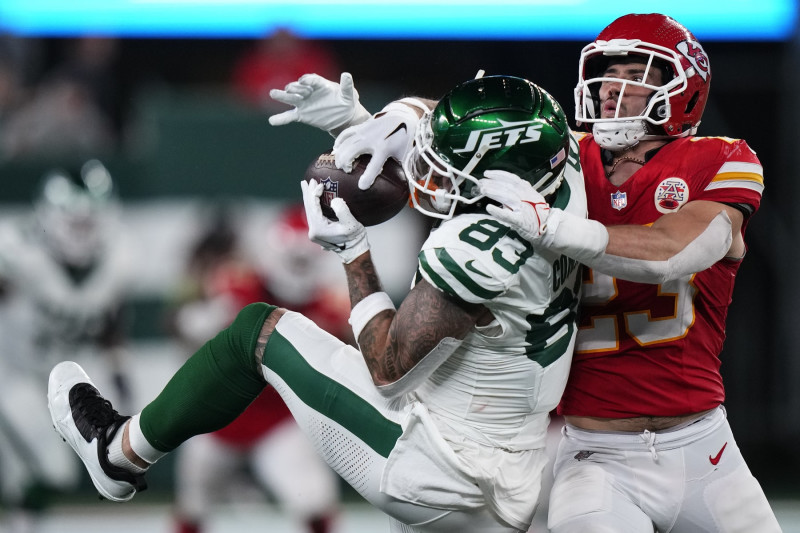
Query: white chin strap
[{"x": 619, "y": 135}]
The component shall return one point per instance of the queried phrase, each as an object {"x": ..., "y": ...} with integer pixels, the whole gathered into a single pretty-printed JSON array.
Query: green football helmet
[
  {"x": 496, "y": 122},
  {"x": 76, "y": 213}
]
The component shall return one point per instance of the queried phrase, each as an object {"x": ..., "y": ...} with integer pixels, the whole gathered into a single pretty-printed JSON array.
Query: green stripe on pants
[{"x": 330, "y": 398}]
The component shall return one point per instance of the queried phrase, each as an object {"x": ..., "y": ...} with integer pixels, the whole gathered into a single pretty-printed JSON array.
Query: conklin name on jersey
[{"x": 507, "y": 376}]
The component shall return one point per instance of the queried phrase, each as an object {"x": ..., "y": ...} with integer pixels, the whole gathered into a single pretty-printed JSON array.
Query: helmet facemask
[
  {"x": 437, "y": 187},
  {"x": 620, "y": 132}
]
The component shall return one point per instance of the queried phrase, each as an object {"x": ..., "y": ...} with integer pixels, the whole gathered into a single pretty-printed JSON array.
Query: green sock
[{"x": 212, "y": 388}]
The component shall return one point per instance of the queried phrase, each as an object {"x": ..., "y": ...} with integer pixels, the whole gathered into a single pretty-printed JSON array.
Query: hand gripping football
[{"x": 387, "y": 196}]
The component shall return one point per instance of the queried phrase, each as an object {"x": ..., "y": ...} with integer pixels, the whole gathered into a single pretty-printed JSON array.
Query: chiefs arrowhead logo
[{"x": 695, "y": 54}]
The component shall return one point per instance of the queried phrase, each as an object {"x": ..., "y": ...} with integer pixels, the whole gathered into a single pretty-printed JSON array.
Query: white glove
[
  {"x": 347, "y": 236},
  {"x": 527, "y": 212},
  {"x": 388, "y": 134},
  {"x": 524, "y": 209},
  {"x": 320, "y": 103}
]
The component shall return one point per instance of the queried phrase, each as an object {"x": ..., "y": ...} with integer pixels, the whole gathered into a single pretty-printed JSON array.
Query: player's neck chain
[
  {"x": 616, "y": 163},
  {"x": 613, "y": 159}
]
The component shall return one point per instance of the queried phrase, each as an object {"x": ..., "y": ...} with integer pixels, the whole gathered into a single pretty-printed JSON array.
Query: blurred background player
[
  {"x": 264, "y": 441},
  {"x": 62, "y": 277}
]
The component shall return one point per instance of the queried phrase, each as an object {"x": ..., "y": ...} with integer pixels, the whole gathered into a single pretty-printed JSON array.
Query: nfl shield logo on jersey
[
  {"x": 619, "y": 200},
  {"x": 330, "y": 191}
]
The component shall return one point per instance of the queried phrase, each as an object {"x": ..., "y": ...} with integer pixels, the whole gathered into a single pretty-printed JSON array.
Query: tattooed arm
[{"x": 394, "y": 342}]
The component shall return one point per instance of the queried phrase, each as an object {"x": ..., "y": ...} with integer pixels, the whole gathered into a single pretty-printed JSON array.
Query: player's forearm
[
  {"x": 362, "y": 278},
  {"x": 639, "y": 253},
  {"x": 643, "y": 242},
  {"x": 424, "y": 332},
  {"x": 371, "y": 317},
  {"x": 416, "y": 104},
  {"x": 674, "y": 232},
  {"x": 402, "y": 348},
  {"x": 430, "y": 104}
]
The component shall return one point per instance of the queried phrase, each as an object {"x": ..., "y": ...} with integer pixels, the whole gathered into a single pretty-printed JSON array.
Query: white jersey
[
  {"x": 48, "y": 314},
  {"x": 49, "y": 311},
  {"x": 504, "y": 379}
]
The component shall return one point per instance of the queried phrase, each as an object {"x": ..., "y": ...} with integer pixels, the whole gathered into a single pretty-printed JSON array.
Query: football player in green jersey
[{"x": 439, "y": 418}]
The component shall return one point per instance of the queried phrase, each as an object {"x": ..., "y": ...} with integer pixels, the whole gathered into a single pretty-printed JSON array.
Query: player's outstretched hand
[
  {"x": 388, "y": 134},
  {"x": 320, "y": 103},
  {"x": 346, "y": 236},
  {"x": 524, "y": 209}
]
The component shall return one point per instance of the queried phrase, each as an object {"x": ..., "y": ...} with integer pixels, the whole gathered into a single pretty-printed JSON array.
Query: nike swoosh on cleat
[{"x": 714, "y": 460}]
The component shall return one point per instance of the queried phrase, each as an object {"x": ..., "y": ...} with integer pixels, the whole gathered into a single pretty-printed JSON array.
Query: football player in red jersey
[
  {"x": 647, "y": 444},
  {"x": 265, "y": 439}
]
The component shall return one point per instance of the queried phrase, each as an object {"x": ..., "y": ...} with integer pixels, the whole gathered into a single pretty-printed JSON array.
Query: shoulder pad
[{"x": 473, "y": 257}]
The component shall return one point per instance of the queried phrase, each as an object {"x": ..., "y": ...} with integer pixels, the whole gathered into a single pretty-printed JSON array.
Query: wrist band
[{"x": 366, "y": 309}]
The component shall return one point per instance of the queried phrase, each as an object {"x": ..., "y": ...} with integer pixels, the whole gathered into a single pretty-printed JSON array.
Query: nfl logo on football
[
  {"x": 619, "y": 200},
  {"x": 330, "y": 191}
]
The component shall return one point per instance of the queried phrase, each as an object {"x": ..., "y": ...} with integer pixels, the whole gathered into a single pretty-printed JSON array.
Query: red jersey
[{"x": 653, "y": 350}]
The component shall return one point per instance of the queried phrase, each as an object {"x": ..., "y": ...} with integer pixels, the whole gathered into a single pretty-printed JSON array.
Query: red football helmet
[
  {"x": 293, "y": 267},
  {"x": 674, "y": 108}
]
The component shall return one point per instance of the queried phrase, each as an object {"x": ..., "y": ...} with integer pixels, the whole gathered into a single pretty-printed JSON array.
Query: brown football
[{"x": 387, "y": 196}]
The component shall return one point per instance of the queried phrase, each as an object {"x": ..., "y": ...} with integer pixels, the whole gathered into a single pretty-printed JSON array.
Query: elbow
[
  {"x": 415, "y": 376},
  {"x": 393, "y": 389},
  {"x": 391, "y": 383}
]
